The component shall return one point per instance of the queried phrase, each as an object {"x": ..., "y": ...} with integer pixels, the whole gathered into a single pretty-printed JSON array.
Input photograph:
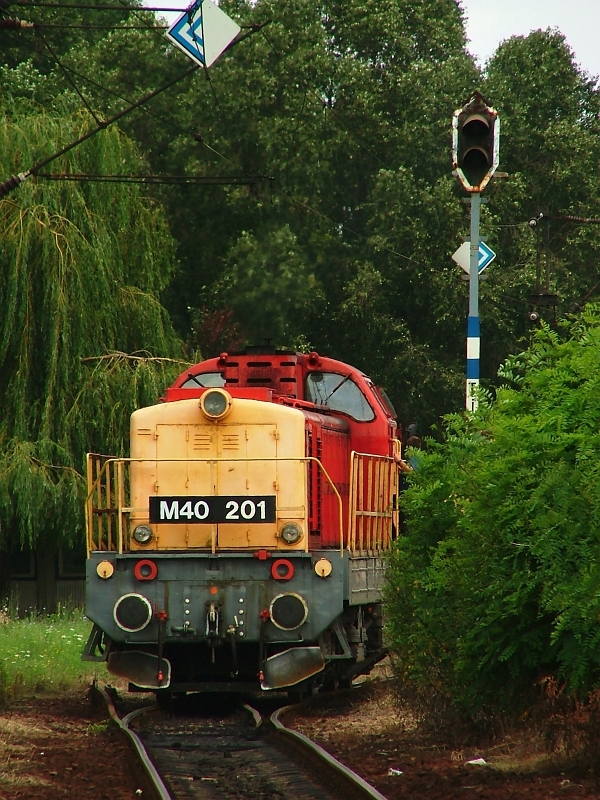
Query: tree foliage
[
  {"x": 496, "y": 583},
  {"x": 334, "y": 104},
  {"x": 83, "y": 267},
  {"x": 345, "y": 109}
]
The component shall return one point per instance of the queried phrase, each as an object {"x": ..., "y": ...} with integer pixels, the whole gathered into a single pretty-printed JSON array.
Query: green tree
[
  {"x": 83, "y": 267},
  {"x": 330, "y": 102},
  {"x": 269, "y": 286},
  {"x": 337, "y": 104},
  {"x": 346, "y": 109},
  {"x": 550, "y": 144},
  {"x": 496, "y": 583}
]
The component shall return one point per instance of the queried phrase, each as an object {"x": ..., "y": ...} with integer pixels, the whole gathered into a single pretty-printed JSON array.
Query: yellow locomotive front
[
  {"x": 200, "y": 574},
  {"x": 218, "y": 473}
]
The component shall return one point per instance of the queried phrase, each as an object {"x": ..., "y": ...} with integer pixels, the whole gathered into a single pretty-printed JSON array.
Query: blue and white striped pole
[{"x": 473, "y": 337}]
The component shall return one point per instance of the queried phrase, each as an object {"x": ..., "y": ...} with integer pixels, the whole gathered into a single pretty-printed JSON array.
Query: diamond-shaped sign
[
  {"x": 203, "y": 32},
  {"x": 463, "y": 256}
]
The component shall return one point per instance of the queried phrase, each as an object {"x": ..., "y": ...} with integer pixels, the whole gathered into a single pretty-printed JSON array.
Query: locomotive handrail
[
  {"x": 121, "y": 509},
  {"x": 381, "y": 481}
]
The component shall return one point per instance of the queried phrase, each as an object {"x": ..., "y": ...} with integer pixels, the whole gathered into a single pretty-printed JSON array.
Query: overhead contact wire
[
  {"x": 92, "y": 7},
  {"x": 16, "y": 180},
  {"x": 97, "y": 27},
  {"x": 71, "y": 81},
  {"x": 289, "y": 196},
  {"x": 166, "y": 120}
]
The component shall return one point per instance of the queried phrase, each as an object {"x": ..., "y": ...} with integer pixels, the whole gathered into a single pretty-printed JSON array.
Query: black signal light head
[{"x": 475, "y": 143}]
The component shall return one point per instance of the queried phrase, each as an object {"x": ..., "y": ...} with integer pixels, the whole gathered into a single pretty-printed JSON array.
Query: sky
[{"x": 489, "y": 22}]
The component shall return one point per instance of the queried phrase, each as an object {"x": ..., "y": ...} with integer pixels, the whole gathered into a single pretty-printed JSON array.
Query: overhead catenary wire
[
  {"x": 180, "y": 179},
  {"x": 296, "y": 201},
  {"x": 166, "y": 120},
  {"x": 93, "y": 7},
  {"x": 177, "y": 180},
  {"x": 16, "y": 24},
  {"x": 187, "y": 179},
  {"x": 16, "y": 180},
  {"x": 65, "y": 72}
]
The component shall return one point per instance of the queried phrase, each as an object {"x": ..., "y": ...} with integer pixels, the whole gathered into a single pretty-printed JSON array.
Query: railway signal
[
  {"x": 475, "y": 143},
  {"x": 475, "y": 157}
]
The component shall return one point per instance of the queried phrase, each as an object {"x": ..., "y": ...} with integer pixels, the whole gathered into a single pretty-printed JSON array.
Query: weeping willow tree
[{"x": 83, "y": 336}]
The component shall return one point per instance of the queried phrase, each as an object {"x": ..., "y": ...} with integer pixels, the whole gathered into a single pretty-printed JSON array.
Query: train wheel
[{"x": 164, "y": 698}]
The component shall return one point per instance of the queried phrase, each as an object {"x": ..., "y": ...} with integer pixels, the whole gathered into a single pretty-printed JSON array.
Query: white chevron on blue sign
[
  {"x": 463, "y": 256},
  {"x": 486, "y": 256},
  {"x": 203, "y": 32}
]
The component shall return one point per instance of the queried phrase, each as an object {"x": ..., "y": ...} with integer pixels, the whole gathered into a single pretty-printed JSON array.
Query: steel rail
[
  {"x": 359, "y": 785},
  {"x": 150, "y": 770},
  {"x": 157, "y": 785}
]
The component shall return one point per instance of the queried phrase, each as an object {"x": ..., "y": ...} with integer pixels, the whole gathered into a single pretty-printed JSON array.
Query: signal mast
[{"x": 475, "y": 157}]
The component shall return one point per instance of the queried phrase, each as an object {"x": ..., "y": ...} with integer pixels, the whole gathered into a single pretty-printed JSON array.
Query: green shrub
[{"x": 496, "y": 584}]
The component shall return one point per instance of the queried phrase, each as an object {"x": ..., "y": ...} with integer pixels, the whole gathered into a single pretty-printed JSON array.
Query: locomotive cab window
[
  {"x": 385, "y": 401},
  {"x": 206, "y": 380},
  {"x": 339, "y": 393}
]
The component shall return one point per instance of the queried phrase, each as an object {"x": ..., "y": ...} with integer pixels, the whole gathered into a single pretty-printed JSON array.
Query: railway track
[{"x": 215, "y": 748}]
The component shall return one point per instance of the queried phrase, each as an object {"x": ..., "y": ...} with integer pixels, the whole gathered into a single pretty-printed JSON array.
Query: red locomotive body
[{"x": 344, "y": 412}]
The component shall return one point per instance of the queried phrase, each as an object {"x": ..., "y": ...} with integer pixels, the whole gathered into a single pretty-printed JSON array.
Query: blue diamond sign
[
  {"x": 203, "y": 32},
  {"x": 463, "y": 256}
]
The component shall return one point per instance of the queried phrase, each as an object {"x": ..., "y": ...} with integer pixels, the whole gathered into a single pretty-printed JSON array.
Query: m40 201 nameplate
[{"x": 199, "y": 510}]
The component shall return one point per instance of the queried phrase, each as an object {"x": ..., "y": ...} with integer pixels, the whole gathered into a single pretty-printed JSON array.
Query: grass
[{"x": 43, "y": 654}]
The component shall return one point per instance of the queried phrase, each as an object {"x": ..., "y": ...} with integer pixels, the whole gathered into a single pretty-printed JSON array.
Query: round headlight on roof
[{"x": 215, "y": 403}]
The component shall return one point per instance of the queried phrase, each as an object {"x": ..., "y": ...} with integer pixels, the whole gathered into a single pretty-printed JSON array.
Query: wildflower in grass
[{"x": 43, "y": 654}]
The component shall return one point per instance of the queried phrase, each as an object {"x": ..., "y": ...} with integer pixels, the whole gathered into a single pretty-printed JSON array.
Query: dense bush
[{"x": 496, "y": 582}]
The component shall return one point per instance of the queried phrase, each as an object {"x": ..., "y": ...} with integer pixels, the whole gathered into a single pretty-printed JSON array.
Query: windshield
[
  {"x": 205, "y": 380},
  {"x": 339, "y": 393}
]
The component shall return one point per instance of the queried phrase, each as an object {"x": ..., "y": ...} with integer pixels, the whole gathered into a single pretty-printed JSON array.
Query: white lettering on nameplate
[{"x": 190, "y": 510}]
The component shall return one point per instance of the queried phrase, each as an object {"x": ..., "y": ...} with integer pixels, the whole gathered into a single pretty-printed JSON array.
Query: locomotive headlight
[
  {"x": 288, "y": 611},
  {"x": 291, "y": 533},
  {"x": 142, "y": 534},
  {"x": 216, "y": 403}
]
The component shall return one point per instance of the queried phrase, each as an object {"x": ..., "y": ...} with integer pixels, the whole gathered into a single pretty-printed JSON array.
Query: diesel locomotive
[{"x": 242, "y": 544}]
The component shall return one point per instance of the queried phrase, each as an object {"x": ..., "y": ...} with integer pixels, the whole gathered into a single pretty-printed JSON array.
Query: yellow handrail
[
  {"x": 122, "y": 509},
  {"x": 373, "y": 509}
]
